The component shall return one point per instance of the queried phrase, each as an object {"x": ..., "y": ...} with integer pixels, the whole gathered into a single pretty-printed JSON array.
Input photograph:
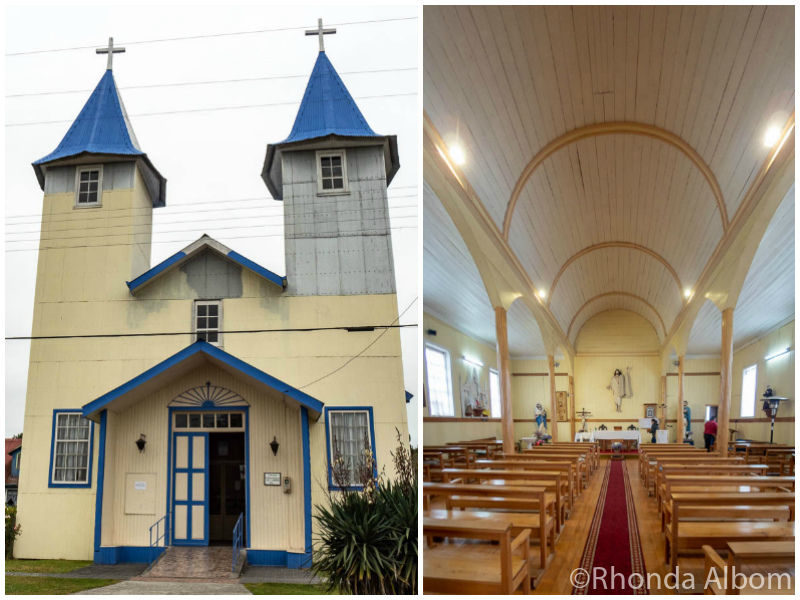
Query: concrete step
[{"x": 196, "y": 562}]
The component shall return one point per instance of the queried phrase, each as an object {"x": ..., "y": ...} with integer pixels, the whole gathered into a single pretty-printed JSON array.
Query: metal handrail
[
  {"x": 237, "y": 539},
  {"x": 160, "y": 535}
]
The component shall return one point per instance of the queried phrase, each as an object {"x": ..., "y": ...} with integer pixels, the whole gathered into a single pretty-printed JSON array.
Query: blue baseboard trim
[
  {"x": 279, "y": 558},
  {"x": 112, "y": 555}
]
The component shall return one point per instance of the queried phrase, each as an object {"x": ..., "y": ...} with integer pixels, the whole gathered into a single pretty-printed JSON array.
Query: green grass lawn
[
  {"x": 27, "y": 584},
  {"x": 44, "y": 566},
  {"x": 285, "y": 588}
]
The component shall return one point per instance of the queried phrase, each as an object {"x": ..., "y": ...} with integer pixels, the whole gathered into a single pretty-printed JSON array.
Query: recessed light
[
  {"x": 457, "y": 154},
  {"x": 771, "y": 136},
  {"x": 687, "y": 293},
  {"x": 542, "y": 294}
]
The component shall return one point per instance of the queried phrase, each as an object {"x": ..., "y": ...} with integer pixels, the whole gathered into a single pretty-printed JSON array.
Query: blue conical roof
[
  {"x": 102, "y": 126},
  {"x": 327, "y": 107}
]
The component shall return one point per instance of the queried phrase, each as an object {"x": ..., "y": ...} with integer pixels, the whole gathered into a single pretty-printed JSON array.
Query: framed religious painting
[
  {"x": 650, "y": 411},
  {"x": 561, "y": 406}
]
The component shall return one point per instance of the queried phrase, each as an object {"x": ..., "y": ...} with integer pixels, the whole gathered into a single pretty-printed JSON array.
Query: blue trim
[
  {"x": 190, "y": 502},
  {"x": 112, "y": 555},
  {"x": 214, "y": 352},
  {"x": 279, "y": 558},
  {"x": 258, "y": 269},
  {"x": 101, "y": 465},
  {"x": 160, "y": 267},
  {"x": 306, "y": 477},
  {"x": 330, "y": 409},
  {"x": 14, "y": 454},
  {"x": 56, "y": 484},
  {"x": 171, "y": 475},
  {"x": 165, "y": 265}
]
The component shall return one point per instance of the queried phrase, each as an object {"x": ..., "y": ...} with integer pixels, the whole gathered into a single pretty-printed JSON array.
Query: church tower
[{"x": 332, "y": 173}]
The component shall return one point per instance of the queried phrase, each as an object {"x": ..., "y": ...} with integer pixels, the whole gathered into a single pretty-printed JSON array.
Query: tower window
[
  {"x": 88, "y": 185},
  {"x": 208, "y": 321},
  {"x": 70, "y": 450},
  {"x": 331, "y": 172}
]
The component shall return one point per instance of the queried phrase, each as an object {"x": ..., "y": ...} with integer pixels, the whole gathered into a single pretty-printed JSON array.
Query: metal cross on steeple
[
  {"x": 111, "y": 51},
  {"x": 320, "y": 32}
]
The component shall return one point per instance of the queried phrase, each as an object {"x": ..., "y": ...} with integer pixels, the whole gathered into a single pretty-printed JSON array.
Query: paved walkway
[{"x": 171, "y": 588}]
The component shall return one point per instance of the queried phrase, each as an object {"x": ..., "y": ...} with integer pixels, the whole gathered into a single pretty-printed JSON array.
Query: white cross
[
  {"x": 111, "y": 51},
  {"x": 320, "y": 32}
]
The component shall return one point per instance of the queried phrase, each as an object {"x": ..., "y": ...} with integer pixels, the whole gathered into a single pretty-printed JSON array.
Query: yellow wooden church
[{"x": 202, "y": 398}]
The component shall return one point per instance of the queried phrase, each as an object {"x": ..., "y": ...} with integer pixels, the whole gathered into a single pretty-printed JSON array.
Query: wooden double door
[{"x": 227, "y": 485}]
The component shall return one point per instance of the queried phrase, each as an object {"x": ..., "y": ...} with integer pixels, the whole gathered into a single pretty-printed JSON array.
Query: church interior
[{"x": 608, "y": 330}]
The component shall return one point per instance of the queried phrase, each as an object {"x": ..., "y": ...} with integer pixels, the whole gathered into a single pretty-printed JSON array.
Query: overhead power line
[
  {"x": 211, "y": 109},
  {"x": 209, "y": 35},
  {"x": 207, "y": 82},
  {"x": 186, "y": 242},
  {"x": 367, "y": 347},
  {"x": 168, "y": 209},
  {"x": 349, "y": 328}
]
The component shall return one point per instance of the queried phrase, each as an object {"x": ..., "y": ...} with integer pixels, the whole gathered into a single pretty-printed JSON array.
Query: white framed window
[
  {"x": 440, "y": 393},
  {"x": 350, "y": 436},
  {"x": 71, "y": 450},
  {"x": 747, "y": 408},
  {"x": 208, "y": 420},
  {"x": 208, "y": 321},
  {"x": 331, "y": 172},
  {"x": 88, "y": 185},
  {"x": 494, "y": 394}
]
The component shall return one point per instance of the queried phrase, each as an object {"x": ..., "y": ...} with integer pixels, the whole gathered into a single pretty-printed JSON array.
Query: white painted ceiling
[{"x": 622, "y": 220}]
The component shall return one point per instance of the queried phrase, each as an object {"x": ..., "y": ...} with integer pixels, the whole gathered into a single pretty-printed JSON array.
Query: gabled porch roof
[{"x": 182, "y": 362}]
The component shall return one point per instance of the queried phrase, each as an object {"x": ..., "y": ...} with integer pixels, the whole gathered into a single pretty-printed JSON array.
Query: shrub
[
  {"x": 368, "y": 540},
  {"x": 12, "y": 530}
]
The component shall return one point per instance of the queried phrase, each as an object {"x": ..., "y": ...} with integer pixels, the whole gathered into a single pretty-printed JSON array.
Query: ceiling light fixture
[
  {"x": 456, "y": 152},
  {"x": 472, "y": 361},
  {"x": 772, "y": 135},
  {"x": 777, "y": 354},
  {"x": 542, "y": 294},
  {"x": 687, "y": 293}
]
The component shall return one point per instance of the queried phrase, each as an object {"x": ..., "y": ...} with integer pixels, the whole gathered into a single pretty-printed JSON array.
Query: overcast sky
[{"x": 211, "y": 158}]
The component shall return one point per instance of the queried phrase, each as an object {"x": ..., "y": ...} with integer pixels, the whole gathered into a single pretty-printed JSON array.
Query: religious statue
[
  {"x": 687, "y": 420},
  {"x": 583, "y": 413},
  {"x": 541, "y": 419},
  {"x": 618, "y": 387}
]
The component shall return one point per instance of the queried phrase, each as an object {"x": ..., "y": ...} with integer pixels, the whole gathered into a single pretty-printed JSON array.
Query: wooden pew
[
  {"x": 479, "y": 568},
  {"x": 590, "y": 455},
  {"x": 711, "y": 470},
  {"x": 682, "y": 535},
  {"x": 565, "y": 469},
  {"x": 530, "y": 499},
  {"x": 655, "y": 467},
  {"x": 592, "y": 449},
  {"x": 551, "y": 480},
  {"x": 742, "y": 555},
  {"x": 578, "y": 461}
]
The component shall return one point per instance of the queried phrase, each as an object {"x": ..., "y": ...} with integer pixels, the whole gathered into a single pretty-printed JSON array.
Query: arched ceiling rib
[
  {"x": 606, "y": 301},
  {"x": 603, "y": 245},
  {"x": 599, "y": 129}
]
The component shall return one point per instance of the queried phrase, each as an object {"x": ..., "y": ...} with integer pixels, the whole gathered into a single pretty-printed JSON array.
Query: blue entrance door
[{"x": 190, "y": 489}]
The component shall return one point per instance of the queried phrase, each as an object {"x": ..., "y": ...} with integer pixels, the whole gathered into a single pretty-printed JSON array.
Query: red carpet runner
[{"x": 613, "y": 540}]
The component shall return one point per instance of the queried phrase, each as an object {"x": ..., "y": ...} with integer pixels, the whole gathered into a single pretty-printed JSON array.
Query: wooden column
[
  {"x": 504, "y": 368},
  {"x": 725, "y": 368},
  {"x": 571, "y": 408},
  {"x": 681, "y": 428},
  {"x": 551, "y": 368},
  {"x": 662, "y": 410}
]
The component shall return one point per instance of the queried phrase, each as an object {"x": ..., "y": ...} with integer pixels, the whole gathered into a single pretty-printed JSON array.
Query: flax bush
[
  {"x": 368, "y": 533},
  {"x": 12, "y": 530}
]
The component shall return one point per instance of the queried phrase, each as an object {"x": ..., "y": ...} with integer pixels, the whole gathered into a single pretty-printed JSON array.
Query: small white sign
[
  {"x": 272, "y": 478},
  {"x": 140, "y": 485}
]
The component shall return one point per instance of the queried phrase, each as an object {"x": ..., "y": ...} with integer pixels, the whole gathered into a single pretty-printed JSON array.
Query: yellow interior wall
[
  {"x": 527, "y": 390},
  {"x": 610, "y": 340}
]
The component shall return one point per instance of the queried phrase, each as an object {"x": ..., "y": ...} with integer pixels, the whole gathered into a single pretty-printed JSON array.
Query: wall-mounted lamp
[
  {"x": 777, "y": 354},
  {"x": 472, "y": 361},
  {"x": 141, "y": 442},
  {"x": 431, "y": 332},
  {"x": 274, "y": 445}
]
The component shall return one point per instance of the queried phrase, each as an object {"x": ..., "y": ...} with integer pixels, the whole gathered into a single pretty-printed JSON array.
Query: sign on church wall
[{"x": 140, "y": 497}]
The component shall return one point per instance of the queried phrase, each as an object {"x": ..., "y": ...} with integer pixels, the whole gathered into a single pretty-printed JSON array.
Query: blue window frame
[
  {"x": 349, "y": 430},
  {"x": 71, "y": 447},
  {"x": 15, "y": 462}
]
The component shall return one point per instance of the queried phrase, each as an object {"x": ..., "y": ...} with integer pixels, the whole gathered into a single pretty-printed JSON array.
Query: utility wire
[
  {"x": 167, "y": 209},
  {"x": 367, "y": 347},
  {"x": 206, "y": 82},
  {"x": 210, "y": 227},
  {"x": 186, "y": 242},
  {"x": 349, "y": 328},
  {"x": 211, "y": 35},
  {"x": 211, "y": 109},
  {"x": 186, "y": 222}
]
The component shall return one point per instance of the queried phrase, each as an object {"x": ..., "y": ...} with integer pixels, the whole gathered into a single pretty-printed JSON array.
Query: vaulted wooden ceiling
[{"x": 611, "y": 145}]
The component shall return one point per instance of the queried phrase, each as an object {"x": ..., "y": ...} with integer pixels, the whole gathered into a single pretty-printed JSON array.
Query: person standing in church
[
  {"x": 710, "y": 433},
  {"x": 652, "y": 430}
]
